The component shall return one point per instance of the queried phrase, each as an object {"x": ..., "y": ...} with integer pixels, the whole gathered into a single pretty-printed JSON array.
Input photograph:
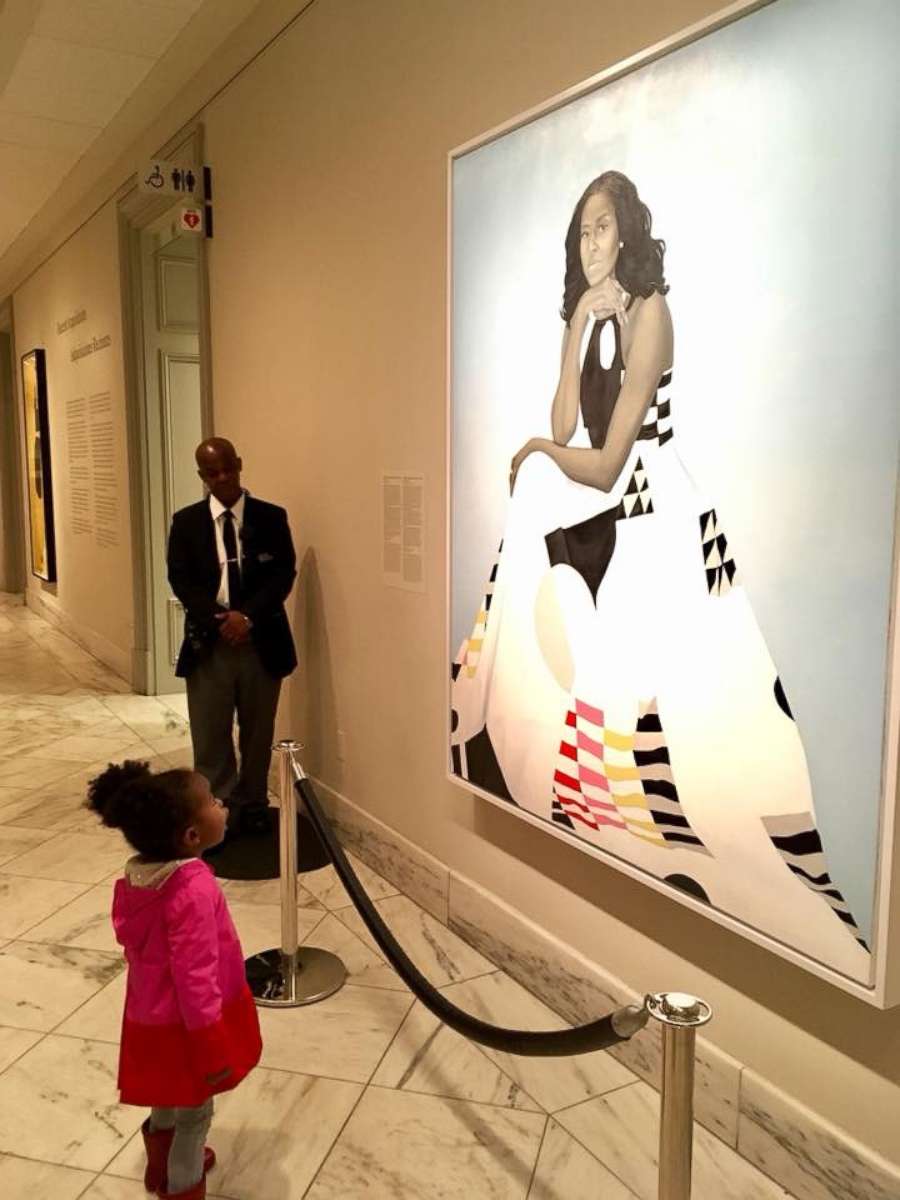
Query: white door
[{"x": 171, "y": 321}]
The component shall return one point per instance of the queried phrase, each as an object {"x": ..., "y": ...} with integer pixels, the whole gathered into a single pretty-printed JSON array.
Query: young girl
[{"x": 190, "y": 1027}]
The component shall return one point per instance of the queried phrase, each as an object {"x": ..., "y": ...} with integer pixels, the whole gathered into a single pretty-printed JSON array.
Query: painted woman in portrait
[{"x": 616, "y": 683}]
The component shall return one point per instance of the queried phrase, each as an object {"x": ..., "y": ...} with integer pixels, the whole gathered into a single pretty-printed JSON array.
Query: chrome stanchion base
[{"x": 279, "y": 980}]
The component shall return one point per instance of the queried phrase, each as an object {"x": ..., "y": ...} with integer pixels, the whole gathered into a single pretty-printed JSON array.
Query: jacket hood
[
  {"x": 138, "y": 898},
  {"x": 141, "y": 874}
]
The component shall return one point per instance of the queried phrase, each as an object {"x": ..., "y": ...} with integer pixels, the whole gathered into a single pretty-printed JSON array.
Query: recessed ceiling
[{"x": 66, "y": 69}]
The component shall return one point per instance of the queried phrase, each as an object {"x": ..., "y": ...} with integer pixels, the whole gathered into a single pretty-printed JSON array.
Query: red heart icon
[{"x": 192, "y": 220}]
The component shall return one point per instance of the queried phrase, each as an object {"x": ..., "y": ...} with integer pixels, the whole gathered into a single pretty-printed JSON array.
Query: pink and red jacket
[{"x": 189, "y": 1013}]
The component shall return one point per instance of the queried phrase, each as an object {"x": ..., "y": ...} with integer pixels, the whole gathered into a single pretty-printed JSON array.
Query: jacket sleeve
[
  {"x": 273, "y": 592},
  {"x": 194, "y": 958},
  {"x": 181, "y": 559}
]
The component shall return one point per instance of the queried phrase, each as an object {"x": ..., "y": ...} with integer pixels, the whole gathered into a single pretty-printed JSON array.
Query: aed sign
[{"x": 190, "y": 220}]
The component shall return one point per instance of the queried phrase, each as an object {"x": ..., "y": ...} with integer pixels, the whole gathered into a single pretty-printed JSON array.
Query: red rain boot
[{"x": 157, "y": 1143}]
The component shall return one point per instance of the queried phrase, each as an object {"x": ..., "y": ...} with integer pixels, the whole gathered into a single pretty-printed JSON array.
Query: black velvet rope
[{"x": 596, "y": 1035}]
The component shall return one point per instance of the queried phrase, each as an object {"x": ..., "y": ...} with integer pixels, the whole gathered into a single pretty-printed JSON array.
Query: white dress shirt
[{"x": 218, "y": 510}]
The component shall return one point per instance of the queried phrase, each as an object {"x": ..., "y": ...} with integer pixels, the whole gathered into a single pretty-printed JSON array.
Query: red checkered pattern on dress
[{"x": 579, "y": 782}]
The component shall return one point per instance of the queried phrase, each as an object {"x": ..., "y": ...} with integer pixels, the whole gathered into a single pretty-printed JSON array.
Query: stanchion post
[
  {"x": 680, "y": 1015},
  {"x": 287, "y": 854},
  {"x": 676, "y": 1113},
  {"x": 291, "y": 974}
]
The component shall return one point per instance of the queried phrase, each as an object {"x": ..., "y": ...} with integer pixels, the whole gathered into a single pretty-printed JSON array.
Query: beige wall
[
  {"x": 93, "y": 593},
  {"x": 328, "y": 278}
]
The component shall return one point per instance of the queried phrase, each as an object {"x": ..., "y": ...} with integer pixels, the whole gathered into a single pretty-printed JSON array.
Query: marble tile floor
[{"x": 364, "y": 1095}]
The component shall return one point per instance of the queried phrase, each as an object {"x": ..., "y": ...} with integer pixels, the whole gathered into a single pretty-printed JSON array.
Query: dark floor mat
[{"x": 255, "y": 856}]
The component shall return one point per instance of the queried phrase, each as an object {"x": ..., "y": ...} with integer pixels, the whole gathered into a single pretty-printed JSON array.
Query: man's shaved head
[
  {"x": 215, "y": 446},
  {"x": 219, "y": 467}
]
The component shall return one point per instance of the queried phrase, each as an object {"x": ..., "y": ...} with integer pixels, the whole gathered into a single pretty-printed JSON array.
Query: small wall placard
[{"x": 403, "y": 530}]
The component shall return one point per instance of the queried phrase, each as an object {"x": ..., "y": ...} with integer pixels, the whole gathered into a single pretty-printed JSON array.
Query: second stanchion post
[{"x": 291, "y": 974}]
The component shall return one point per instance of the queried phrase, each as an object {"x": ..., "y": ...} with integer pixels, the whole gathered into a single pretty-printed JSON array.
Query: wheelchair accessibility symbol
[{"x": 155, "y": 179}]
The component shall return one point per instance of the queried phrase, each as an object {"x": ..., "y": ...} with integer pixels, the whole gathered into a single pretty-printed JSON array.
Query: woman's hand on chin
[{"x": 605, "y": 299}]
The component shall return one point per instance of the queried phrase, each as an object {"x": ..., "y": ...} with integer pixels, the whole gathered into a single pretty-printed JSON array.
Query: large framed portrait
[
  {"x": 673, "y": 472},
  {"x": 37, "y": 466}
]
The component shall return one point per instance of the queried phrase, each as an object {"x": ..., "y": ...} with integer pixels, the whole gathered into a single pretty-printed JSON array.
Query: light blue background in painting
[{"x": 767, "y": 153}]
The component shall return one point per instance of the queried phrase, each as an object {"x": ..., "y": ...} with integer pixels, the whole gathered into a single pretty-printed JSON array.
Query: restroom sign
[{"x": 162, "y": 178}]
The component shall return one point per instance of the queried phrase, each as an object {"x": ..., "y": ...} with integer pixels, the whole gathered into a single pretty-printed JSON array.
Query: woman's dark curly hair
[
  {"x": 639, "y": 268},
  {"x": 153, "y": 811}
]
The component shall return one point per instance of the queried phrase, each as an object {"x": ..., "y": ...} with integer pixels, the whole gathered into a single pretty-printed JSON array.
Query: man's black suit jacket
[{"x": 268, "y": 569}]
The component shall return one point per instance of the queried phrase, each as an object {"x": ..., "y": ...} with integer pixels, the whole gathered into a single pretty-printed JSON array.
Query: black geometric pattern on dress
[
  {"x": 492, "y": 579},
  {"x": 781, "y": 698},
  {"x": 489, "y": 592},
  {"x": 797, "y": 840},
  {"x": 636, "y": 502},
  {"x": 476, "y": 761},
  {"x": 721, "y": 572},
  {"x": 651, "y": 757},
  {"x": 586, "y": 547},
  {"x": 559, "y": 816},
  {"x": 456, "y": 762},
  {"x": 690, "y": 886},
  {"x": 657, "y": 424}
]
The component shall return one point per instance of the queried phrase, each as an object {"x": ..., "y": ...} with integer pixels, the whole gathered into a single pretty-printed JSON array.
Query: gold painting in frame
[{"x": 37, "y": 466}]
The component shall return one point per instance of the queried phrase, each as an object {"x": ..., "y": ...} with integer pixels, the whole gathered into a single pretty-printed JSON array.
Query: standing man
[{"x": 232, "y": 565}]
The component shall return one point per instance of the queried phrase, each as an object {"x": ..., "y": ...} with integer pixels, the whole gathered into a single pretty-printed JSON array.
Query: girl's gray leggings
[{"x": 191, "y": 1125}]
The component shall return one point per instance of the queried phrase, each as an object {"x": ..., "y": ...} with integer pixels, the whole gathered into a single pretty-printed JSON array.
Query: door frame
[
  {"x": 137, "y": 211},
  {"x": 14, "y": 567}
]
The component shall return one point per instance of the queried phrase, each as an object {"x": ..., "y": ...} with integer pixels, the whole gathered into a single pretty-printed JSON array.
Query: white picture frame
[{"x": 881, "y": 985}]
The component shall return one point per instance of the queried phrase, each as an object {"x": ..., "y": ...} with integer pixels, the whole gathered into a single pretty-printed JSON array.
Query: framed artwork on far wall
[{"x": 37, "y": 466}]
